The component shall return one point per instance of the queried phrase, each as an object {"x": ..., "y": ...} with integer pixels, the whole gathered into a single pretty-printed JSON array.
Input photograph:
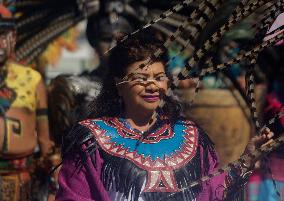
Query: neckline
[
  {"x": 156, "y": 126},
  {"x": 155, "y": 134}
]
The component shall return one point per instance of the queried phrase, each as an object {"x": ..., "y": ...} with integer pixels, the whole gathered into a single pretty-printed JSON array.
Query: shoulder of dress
[
  {"x": 80, "y": 138},
  {"x": 94, "y": 124},
  {"x": 89, "y": 122},
  {"x": 186, "y": 123}
]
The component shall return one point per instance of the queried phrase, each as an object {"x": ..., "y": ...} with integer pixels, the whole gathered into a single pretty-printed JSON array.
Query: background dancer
[{"x": 23, "y": 121}]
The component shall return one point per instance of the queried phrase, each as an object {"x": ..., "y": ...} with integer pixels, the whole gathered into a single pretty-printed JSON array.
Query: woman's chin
[{"x": 150, "y": 108}]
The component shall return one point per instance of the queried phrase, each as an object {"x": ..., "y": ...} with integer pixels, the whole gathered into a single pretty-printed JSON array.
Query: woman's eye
[
  {"x": 162, "y": 78},
  {"x": 139, "y": 79}
]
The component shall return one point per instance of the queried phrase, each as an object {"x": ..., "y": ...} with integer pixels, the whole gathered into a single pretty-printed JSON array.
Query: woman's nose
[{"x": 152, "y": 86}]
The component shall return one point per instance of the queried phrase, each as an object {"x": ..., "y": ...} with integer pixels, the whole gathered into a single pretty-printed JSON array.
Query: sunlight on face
[{"x": 144, "y": 88}]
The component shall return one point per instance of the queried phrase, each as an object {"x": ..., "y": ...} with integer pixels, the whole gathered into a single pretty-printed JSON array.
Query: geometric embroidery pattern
[{"x": 160, "y": 172}]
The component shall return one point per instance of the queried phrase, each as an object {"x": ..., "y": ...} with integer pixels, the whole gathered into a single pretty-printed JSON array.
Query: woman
[{"x": 127, "y": 152}]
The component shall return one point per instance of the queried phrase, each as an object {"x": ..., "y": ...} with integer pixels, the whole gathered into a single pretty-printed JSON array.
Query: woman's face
[
  {"x": 7, "y": 44},
  {"x": 143, "y": 89}
]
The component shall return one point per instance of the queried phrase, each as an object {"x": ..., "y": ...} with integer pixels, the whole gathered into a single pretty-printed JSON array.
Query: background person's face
[
  {"x": 144, "y": 97},
  {"x": 7, "y": 44}
]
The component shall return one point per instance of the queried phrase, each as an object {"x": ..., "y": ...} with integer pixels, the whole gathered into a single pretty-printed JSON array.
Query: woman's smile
[{"x": 151, "y": 98}]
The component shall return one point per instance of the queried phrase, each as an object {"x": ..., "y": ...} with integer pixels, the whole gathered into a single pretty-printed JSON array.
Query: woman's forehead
[{"x": 156, "y": 67}]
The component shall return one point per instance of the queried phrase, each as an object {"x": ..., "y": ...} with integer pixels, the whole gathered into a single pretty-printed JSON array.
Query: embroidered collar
[
  {"x": 160, "y": 130},
  {"x": 159, "y": 157},
  {"x": 152, "y": 129}
]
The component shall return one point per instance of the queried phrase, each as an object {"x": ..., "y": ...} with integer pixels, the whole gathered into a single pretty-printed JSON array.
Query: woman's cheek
[{"x": 164, "y": 86}]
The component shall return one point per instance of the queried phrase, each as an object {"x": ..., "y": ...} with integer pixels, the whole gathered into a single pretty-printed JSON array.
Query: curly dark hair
[
  {"x": 61, "y": 104},
  {"x": 137, "y": 48}
]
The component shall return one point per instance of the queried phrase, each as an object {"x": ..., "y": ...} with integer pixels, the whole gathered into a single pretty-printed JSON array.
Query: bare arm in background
[{"x": 45, "y": 143}]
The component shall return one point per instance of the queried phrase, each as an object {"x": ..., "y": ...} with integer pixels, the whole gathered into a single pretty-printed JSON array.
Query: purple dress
[{"x": 119, "y": 168}]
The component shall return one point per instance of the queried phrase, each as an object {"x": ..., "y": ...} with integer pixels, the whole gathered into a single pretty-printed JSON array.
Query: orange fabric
[{"x": 4, "y": 12}]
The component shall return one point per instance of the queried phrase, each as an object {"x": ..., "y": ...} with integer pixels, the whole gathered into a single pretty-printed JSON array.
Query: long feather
[
  {"x": 240, "y": 13},
  {"x": 222, "y": 66},
  {"x": 199, "y": 18},
  {"x": 236, "y": 17},
  {"x": 166, "y": 31},
  {"x": 31, "y": 19},
  {"x": 31, "y": 3},
  {"x": 274, "y": 11},
  {"x": 250, "y": 94},
  {"x": 46, "y": 36},
  {"x": 267, "y": 17},
  {"x": 243, "y": 56},
  {"x": 162, "y": 16},
  {"x": 249, "y": 158}
]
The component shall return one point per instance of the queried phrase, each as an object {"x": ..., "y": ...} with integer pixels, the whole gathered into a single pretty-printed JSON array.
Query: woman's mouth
[{"x": 151, "y": 98}]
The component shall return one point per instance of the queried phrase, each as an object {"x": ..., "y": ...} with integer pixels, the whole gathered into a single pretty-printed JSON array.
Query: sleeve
[
  {"x": 73, "y": 184},
  {"x": 79, "y": 177},
  {"x": 226, "y": 186},
  {"x": 217, "y": 185},
  {"x": 81, "y": 183},
  {"x": 214, "y": 188}
]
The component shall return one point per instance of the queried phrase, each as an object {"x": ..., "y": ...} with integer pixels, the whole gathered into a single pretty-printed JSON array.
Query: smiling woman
[
  {"x": 126, "y": 153},
  {"x": 129, "y": 88},
  {"x": 143, "y": 92}
]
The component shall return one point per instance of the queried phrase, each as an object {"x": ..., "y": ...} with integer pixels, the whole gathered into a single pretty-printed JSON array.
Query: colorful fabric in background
[
  {"x": 11, "y": 5},
  {"x": 176, "y": 61},
  {"x": 4, "y": 12},
  {"x": 6, "y": 20},
  {"x": 263, "y": 189},
  {"x": 53, "y": 53},
  {"x": 260, "y": 186},
  {"x": 23, "y": 80},
  {"x": 267, "y": 184}
]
